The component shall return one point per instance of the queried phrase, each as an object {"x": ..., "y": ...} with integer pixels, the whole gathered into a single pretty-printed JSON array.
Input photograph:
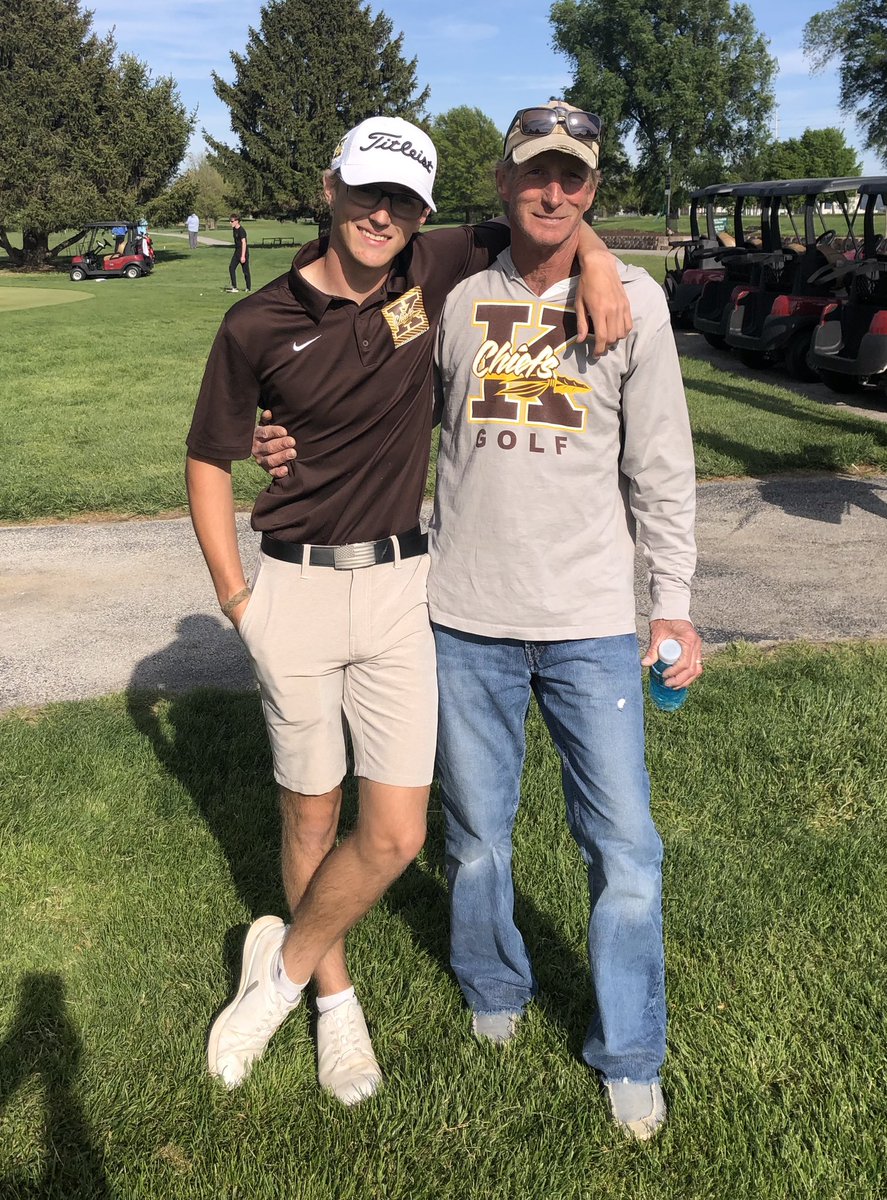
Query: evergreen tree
[
  {"x": 84, "y": 137},
  {"x": 468, "y": 147},
  {"x": 310, "y": 72}
]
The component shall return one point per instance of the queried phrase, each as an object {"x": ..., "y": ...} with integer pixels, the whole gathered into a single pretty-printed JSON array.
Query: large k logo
[{"x": 521, "y": 384}]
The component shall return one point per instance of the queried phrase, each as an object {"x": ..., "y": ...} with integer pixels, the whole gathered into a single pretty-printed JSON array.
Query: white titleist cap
[{"x": 388, "y": 150}]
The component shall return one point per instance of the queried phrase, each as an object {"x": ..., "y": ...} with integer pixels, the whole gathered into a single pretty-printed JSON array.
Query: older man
[
  {"x": 566, "y": 457},
  {"x": 336, "y": 618}
]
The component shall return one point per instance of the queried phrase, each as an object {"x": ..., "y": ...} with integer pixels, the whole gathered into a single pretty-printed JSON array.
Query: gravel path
[{"x": 89, "y": 609}]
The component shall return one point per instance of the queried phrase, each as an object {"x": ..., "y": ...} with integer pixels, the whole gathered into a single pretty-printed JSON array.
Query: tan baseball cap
[{"x": 521, "y": 146}]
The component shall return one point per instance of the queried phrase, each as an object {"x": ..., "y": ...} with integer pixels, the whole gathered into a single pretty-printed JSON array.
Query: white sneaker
[
  {"x": 232, "y": 289},
  {"x": 346, "y": 1065},
  {"x": 638, "y": 1108},
  {"x": 497, "y": 1028},
  {"x": 241, "y": 1031}
]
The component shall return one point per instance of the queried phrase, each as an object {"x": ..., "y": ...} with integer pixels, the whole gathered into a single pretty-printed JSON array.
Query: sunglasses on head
[
  {"x": 537, "y": 122},
  {"x": 369, "y": 197}
]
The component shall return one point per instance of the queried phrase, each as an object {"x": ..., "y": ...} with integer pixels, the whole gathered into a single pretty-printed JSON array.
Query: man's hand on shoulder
[
  {"x": 601, "y": 302},
  {"x": 689, "y": 665},
  {"x": 273, "y": 448}
]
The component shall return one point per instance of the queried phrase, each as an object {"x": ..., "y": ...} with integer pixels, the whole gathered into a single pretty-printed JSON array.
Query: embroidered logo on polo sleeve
[{"x": 406, "y": 317}]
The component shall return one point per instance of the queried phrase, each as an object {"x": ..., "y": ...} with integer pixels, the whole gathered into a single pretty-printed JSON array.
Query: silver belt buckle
[{"x": 358, "y": 554}]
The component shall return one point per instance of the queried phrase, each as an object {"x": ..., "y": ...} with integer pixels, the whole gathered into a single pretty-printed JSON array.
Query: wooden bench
[{"x": 274, "y": 242}]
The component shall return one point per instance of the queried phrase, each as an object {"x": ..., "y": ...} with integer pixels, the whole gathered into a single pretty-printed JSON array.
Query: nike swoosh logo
[{"x": 304, "y": 345}]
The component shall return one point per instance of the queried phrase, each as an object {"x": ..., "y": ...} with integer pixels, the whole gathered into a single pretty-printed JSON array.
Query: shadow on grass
[
  {"x": 43, "y": 1044},
  {"x": 214, "y": 743}
]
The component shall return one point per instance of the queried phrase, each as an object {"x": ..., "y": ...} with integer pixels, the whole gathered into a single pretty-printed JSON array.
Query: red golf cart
[{"x": 110, "y": 248}]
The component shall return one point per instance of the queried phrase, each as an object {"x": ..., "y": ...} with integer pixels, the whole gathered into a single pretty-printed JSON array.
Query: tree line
[{"x": 90, "y": 134}]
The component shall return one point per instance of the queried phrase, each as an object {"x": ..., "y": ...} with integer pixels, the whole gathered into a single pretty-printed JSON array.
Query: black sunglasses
[
  {"x": 537, "y": 122},
  {"x": 369, "y": 197}
]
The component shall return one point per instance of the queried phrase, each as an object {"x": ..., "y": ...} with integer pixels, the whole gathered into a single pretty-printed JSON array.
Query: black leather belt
[{"x": 348, "y": 558}]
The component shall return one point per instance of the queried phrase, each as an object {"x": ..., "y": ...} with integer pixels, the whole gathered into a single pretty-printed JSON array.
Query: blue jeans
[{"x": 589, "y": 693}]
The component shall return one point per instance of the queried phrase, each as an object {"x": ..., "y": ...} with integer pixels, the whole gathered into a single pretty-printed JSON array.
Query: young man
[
  {"x": 336, "y": 621},
  {"x": 240, "y": 257}
]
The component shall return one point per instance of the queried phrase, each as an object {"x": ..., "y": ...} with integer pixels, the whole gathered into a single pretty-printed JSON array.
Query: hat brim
[
  {"x": 362, "y": 175},
  {"x": 588, "y": 152}
]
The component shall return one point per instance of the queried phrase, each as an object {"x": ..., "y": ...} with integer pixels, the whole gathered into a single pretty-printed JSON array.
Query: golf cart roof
[
  {"x": 874, "y": 185},
  {"x": 813, "y": 187},
  {"x": 109, "y": 225}
]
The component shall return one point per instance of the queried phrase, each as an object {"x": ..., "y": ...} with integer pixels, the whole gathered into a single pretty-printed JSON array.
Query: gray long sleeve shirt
[{"x": 552, "y": 463}]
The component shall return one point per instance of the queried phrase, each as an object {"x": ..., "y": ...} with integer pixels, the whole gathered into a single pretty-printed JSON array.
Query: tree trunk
[
  {"x": 15, "y": 255},
  {"x": 35, "y": 249}
]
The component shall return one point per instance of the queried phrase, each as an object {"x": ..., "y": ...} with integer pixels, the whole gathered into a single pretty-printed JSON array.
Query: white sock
[
  {"x": 291, "y": 992},
  {"x": 326, "y": 1004}
]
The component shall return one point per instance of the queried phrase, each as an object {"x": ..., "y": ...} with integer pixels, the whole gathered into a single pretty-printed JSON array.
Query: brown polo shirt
[{"x": 351, "y": 383}]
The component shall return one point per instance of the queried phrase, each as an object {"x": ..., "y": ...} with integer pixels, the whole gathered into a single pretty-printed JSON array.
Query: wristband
[{"x": 229, "y": 606}]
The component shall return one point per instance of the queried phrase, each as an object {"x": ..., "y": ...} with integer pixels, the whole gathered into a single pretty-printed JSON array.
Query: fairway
[
  {"x": 111, "y": 388},
  {"x": 14, "y": 297}
]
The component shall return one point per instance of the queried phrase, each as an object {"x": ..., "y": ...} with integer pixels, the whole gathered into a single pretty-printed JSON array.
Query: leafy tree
[
  {"x": 817, "y": 154},
  {"x": 174, "y": 204},
  {"x": 468, "y": 147},
  {"x": 212, "y": 196},
  {"x": 84, "y": 136},
  {"x": 690, "y": 80},
  {"x": 857, "y": 35},
  {"x": 311, "y": 71}
]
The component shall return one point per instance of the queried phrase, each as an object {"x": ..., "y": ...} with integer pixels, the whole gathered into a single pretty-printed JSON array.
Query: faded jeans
[{"x": 589, "y": 693}]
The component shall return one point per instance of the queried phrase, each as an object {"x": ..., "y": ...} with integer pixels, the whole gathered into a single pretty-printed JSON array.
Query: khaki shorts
[{"x": 329, "y": 644}]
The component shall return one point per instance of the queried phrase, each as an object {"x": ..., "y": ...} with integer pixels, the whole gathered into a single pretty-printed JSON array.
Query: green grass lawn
[
  {"x": 138, "y": 836},
  {"x": 96, "y": 398}
]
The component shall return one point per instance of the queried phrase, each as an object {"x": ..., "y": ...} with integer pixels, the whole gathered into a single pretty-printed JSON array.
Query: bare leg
[
  {"x": 308, "y": 833},
  {"x": 390, "y": 832}
]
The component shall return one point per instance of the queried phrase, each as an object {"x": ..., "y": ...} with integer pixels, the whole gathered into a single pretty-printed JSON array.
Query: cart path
[{"x": 90, "y": 609}]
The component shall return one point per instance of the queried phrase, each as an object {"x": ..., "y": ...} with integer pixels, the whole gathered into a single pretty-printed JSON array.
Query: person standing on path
[
  {"x": 240, "y": 257},
  {"x": 192, "y": 224},
  {"x": 336, "y": 619}
]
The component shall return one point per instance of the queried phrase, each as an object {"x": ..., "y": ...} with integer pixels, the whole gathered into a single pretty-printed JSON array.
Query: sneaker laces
[
  {"x": 347, "y": 1035},
  {"x": 267, "y": 1025}
]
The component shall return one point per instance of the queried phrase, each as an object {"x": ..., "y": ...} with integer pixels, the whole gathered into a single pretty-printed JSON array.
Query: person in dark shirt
[
  {"x": 336, "y": 619},
  {"x": 240, "y": 257}
]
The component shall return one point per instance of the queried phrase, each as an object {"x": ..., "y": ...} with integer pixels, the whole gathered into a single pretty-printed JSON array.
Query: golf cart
[
  {"x": 694, "y": 260},
  {"x": 849, "y": 345},
  {"x": 715, "y": 303},
  {"x": 110, "y": 248},
  {"x": 774, "y": 319}
]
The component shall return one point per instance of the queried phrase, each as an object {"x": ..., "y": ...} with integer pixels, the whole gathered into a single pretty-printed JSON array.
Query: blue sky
[{"x": 495, "y": 57}]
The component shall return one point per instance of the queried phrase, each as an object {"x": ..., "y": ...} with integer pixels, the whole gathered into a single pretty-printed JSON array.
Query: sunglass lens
[
  {"x": 537, "y": 121},
  {"x": 584, "y": 125}
]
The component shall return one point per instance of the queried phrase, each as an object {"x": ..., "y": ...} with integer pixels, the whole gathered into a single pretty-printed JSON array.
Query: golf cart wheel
[
  {"x": 796, "y": 361},
  {"x": 132, "y": 272},
  {"x": 77, "y": 273},
  {"x": 716, "y": 339},
  {"x": 754, "y": 359},
  {"x": 844, "y": 385}
]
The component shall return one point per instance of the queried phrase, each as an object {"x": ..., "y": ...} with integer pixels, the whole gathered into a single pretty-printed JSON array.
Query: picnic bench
[{"x": 274, "y": 242}]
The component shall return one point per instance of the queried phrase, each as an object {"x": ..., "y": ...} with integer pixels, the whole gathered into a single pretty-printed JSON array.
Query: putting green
[{"x": 12, "y": 298}]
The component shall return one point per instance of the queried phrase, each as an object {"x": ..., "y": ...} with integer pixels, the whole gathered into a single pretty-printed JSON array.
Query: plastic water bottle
[{"x": 663, "y": 696}]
